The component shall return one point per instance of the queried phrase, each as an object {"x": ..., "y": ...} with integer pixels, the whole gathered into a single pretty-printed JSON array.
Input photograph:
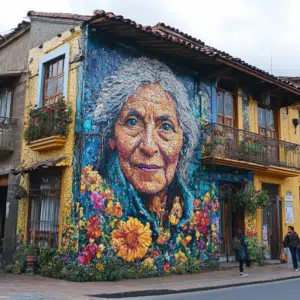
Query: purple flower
[
  {"x": 201, "y": 244},
  {"x": 171, "y": 245},
  {"x": 97, "y": 200}
]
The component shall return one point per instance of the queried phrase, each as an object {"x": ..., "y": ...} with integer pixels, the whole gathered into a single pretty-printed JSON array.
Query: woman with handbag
[
  {"x": 292, "y": 241},
  {"x": 241, "y": 251}
]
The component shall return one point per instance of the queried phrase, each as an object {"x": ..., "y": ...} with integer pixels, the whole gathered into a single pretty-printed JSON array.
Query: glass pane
[
  {"x": 50, "y": 71},
  {"x": 220, "y": 105},
  {"x": 261, "y": 117},
  {"x": 61, "y": 66},
  {"x": 50, "y": 87},
  {"x": 270, "y": 119},
  {"x": 55, "y": 69},
  {"x": 60, "y": 85},
  {"x": 228, "y": 105}
]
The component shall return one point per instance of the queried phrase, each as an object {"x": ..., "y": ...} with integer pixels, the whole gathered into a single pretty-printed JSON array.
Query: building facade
[
  {"x": 14, "y": 60},
  {"x": 165, "y": 130},
  {"x": 13, "y": 72}
]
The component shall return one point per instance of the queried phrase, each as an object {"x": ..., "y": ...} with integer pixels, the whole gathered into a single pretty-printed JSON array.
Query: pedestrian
[
  {"x": 292, "y": 241},
  {"x": 241, "y": 251}
]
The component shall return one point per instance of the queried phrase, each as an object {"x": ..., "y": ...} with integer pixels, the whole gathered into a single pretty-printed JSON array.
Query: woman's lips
[{"x": 147, "y": 168}]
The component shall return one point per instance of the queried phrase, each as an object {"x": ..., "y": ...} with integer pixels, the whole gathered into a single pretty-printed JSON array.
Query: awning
[{"x": 49, "y": 163}]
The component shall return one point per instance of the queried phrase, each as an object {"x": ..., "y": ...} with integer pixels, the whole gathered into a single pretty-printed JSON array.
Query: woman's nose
[{"x": 148, "y": 144}]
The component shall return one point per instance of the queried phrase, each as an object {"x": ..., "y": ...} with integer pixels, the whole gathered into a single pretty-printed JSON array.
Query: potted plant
[
  {"x": 47, "y": 127},
  {"x": 20, "y": 192},
  {"x": 30, "y": 254},
  {"x": 250, "y": 199}
]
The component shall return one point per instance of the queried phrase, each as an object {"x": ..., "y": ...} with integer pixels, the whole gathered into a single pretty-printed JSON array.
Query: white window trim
[{"x": 64, "y": 50}]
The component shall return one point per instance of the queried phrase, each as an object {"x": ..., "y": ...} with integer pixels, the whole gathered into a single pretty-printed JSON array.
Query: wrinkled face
[{"x": 148, "y": 139}]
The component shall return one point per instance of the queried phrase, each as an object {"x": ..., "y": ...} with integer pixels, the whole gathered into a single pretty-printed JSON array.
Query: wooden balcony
[
  {"x": 234, "y": 147},
  {"x": 8, "y": 132}
]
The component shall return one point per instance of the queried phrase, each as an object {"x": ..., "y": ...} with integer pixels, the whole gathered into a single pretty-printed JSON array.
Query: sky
[{"x": 264, "y": 33}]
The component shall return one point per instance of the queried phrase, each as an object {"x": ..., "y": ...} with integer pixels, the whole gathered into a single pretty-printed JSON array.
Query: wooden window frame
[
  {"x": 267, "y": 129},
  {"x": 47, "y": 79},
  {"x": 223, "y": 116}
]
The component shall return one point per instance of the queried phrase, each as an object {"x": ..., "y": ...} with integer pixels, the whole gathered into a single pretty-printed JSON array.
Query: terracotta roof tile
[
  {"x": 69, "y": 16},
  {"x": 171, "y": 34}
]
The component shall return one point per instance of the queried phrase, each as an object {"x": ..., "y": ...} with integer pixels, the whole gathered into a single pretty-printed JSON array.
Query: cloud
[{"x": 256, "y": 31}]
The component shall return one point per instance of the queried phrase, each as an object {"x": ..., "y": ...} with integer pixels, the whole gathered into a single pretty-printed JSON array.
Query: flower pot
[
  {"x": 30, "y": 260},
  {"x": 30, "y": 264}
]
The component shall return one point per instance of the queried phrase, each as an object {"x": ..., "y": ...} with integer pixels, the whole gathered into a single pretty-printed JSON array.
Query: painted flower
[
  {"x": 115, "y": 209},
  {"x": 201, "y": 221},
  {"x": 163, "y": 237},
  {"x": 131, "y": 239},
  {"x": 186, "y": 240},
  {"x": 87, "y": 253},
  {"x": 99, "y": 266},
  {"x": 148, "y": 263},
  {"x": 100, "y": 250},
  {"x": 97, "y": 200},
  {"x": 93, "y": 228},
  {"x": 207, "y": 197},
  {"x": 180, "y": 257},
  {"x": 166, "y": 267},
  {"x": 197, "y": 202},
  {"x": 176, "y": 212}
]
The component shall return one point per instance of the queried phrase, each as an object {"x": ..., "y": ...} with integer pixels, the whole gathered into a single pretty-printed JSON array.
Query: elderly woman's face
[{"x": 148, "y": 139}]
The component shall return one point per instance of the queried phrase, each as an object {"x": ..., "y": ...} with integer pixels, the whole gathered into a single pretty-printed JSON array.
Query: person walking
[
  {"x": 241, "y": 251},
  {"x": 292, "y": 241}
]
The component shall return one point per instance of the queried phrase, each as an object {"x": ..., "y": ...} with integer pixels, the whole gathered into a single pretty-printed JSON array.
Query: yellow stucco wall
[
  {"x": 27, "y": 155},
  {"x": 286, "y": 132}
]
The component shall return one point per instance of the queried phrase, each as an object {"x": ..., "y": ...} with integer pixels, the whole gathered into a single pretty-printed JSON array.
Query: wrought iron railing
[
  {"x": 8, "y": 132},
  {"x": 221, "y": 141}
]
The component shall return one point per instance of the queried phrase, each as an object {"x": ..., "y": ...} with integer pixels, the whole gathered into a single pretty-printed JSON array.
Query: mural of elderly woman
[{"x": 149, "y": 133}]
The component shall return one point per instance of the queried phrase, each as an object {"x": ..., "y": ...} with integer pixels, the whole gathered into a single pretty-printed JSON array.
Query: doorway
[
  {"x": 230, "y": 220},
  {"x": 3, "y": 195},
  {"x": 271, "y": 221}
]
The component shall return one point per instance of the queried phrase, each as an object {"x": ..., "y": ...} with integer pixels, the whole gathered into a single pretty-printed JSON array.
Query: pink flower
[{"x": 97, "y": 199}]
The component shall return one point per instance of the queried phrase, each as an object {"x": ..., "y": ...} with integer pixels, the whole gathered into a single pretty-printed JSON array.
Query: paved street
[
  {"x": 288, "y": 289},
  {"x": 23, "y": 287}
]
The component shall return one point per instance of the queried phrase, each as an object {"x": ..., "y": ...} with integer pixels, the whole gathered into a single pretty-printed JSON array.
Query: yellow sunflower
[{"x": 131, "y": 239}]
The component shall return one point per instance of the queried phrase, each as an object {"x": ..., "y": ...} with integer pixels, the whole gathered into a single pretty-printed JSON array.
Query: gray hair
[{"x": 127, "y": 81}]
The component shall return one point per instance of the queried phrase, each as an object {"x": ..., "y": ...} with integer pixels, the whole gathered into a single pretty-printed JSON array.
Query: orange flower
[
  {"x": 115, "y": 209},
  {"x": 93, "y": 228},
  {"x": 163, "y": 237},
  {"x": 186, "y": 240},
  {"x": 131, "y": 239}
]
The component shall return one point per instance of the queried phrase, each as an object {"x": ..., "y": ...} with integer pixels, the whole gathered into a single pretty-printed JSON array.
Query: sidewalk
[{"x": 25, "y": 287}]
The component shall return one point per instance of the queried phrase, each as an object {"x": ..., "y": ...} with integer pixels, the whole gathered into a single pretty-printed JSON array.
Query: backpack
[{"x": 236, "y": 244}]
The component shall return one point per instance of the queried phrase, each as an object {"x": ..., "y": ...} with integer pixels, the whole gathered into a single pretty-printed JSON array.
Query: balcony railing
[
  {"x": 8, "y": 131},
  {"x": 221, "y": 141}
]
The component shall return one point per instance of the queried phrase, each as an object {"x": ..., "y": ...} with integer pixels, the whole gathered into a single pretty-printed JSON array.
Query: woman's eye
[
  {"x": 166, "y": 127},
  {"x": 131, "y": 122}
]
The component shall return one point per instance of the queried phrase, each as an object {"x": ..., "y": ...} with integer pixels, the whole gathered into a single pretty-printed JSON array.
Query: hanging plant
[
  {"x": 47, "y": 121},
  {"x": 250, "y": 199},
  {"x": 20, "y": 192}
]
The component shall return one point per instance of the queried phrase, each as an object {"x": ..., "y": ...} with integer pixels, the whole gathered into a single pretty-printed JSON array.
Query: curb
[{"x": 161, "y": 292}]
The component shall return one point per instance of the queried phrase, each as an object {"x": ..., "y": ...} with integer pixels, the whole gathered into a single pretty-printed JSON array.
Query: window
[
  {"x": 266, "y": 122},
  {"x": 53, "y": 81},
  {"x": 44, "y": 208},
  {"x": 53, "y": 76},
  {"x": 5, "y": 101},
  {"x": 225, "y": 108}
]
